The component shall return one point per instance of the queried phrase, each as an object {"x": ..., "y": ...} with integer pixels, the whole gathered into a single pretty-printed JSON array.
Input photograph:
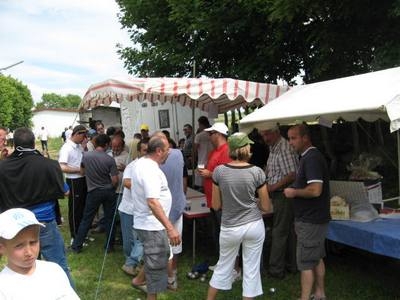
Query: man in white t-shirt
[
  {"x": 70, "y": 158},
  {"x": 150, "y": 211},
  {"x": 43, "y": 136},
  {"x": 133, "y": 248},
  {"x": 68, "y": 133}
]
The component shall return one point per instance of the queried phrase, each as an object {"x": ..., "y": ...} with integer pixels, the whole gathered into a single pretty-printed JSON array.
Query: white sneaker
[
  {"x": 90, "y": 239},
  {"x": 212, "y": 268},
  {"x": 236, "y": 276},
  {"x": 83, "y": 245}
]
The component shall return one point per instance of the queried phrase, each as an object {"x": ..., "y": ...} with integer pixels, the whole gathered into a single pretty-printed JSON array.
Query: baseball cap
[
  {"x": 238, "y": 140},
  {"x": 219, "y": 127},
  {"x": 78, "y": 129},
  {"x": 144, "y": 127},
  {"x": 91, "y": 133},
  {"x": 14, "y": 220}
]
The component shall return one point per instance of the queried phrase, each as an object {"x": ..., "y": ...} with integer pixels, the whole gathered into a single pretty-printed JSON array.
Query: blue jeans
[
  {"x": 133, "y": 247},
  {"x": 52, "y": 247},
  {"x": 93, "y": 200}
]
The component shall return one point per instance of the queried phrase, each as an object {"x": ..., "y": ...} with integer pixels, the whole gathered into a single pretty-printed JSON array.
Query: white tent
[
  {"x": 369, "y": 96},
  {"x": 219, "y": 95}
]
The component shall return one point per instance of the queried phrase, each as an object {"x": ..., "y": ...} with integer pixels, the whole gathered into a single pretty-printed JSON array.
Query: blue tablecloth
[{"x": 381, "y": 236}]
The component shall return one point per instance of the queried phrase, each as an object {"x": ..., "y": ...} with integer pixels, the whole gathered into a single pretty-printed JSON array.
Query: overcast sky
[{"x": 66, "y": 45}]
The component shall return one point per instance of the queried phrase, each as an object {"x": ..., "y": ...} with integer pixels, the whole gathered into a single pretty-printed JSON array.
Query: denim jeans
[
  {"x": 93, "y": 200},
  {"x": 52, "y": 247},
  {"x": 133, "y": 247}
]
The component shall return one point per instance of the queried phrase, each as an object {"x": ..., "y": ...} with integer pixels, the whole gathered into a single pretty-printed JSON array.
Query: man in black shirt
[{"x": 310, "y": 191}]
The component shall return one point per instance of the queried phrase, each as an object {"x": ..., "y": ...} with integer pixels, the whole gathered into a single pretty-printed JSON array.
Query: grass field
[{"x": 350, "y": 274}]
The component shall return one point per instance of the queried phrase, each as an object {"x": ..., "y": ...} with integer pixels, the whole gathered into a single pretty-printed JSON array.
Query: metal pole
[
  {"x": 10, "y": 66},
  {"x": 193, "y": 131},
  {"x": 398, "y": 163}
]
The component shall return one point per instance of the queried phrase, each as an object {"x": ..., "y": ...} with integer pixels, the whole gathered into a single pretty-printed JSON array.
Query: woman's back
[{"x": 238, "y": 185}]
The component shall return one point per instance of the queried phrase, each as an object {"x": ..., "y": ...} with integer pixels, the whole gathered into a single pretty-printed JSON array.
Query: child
[{"x": 25, "y": 277}]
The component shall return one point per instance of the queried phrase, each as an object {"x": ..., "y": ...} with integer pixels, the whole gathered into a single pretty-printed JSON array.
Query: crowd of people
[{"x": 244, "y": 177}]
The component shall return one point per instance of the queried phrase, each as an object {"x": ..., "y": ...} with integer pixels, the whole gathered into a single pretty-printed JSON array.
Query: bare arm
[
  {"x": 185, "y": 181},
  {"x": 264, "y": 202},
  {"x": 114, "y": 180},
  {"x": 205, "y": 173},
  {"x": 69, "y": 170},
  {"x": 127, "y": 183},
  {"x": 312, "y": 190},
  {"x": 158, "y": 212},
  {"x": 284, "y": 182},
  {"x": 216, "y": 197},
  {"x": 196, "y": 147}
]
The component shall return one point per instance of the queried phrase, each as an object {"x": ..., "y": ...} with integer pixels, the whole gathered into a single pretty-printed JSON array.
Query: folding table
[{"x": 198, "y": 209}]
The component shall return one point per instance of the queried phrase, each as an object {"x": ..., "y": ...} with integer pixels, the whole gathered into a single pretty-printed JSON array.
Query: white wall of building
[
  {"x": 172, "y": 117},
  {"x": 109, "y": 116},
  {"x": 54, "y": 121}
]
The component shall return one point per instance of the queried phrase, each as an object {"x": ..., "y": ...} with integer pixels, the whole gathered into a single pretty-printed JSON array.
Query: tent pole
[
  {"x": 193, "y": 131},
  {"x": 398, "y": 163}
]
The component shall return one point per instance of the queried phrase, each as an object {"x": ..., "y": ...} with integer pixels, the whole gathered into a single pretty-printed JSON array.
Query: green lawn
[{"x": 351, "y": 275}]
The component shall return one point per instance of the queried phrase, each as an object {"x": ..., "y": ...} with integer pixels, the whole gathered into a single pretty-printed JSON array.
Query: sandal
[
  {"x": 140, "y": 287},
  {"x": 313, "y": 297}
]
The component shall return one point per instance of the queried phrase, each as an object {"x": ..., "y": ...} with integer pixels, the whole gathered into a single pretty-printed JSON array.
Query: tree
[
  {"x": 260, "y": 40},
  {"x": 15, "y": 103},
  {"x": 53, "y": 100},
  {"x": 342, "y": 38},
  {"x": 225, "y": 38}
]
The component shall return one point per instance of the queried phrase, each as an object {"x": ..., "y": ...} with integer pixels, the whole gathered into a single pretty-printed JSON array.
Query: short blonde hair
[{"x": 242, "y": 153}]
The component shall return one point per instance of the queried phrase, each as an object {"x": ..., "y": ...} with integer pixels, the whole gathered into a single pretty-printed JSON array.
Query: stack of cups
[{"x": 188, "y": 205}]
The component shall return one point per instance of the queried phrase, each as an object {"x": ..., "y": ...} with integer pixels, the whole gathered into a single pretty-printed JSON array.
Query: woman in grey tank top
[{"x": 234, "y": 187}]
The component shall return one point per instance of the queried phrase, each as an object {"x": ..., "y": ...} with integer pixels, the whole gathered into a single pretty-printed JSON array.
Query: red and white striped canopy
[{"x": 224, "y": 94}]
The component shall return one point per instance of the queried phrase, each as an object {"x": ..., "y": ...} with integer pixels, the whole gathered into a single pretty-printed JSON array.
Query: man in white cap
[
  {"x": 25, "y": 277},
  {"x": 218, "y": 156}
]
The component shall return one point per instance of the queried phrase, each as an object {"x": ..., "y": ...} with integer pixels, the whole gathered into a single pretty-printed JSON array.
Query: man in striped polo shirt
[{"x": 281, "y": 172}]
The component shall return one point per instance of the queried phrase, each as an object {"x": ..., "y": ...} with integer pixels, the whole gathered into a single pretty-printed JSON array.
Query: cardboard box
[
  {"x": 340, "y": 212},
  {"x": 374, "y": 191}
]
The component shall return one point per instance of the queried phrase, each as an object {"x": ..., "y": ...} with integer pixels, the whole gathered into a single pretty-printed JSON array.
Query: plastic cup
[{"x": 188, "y": 205}]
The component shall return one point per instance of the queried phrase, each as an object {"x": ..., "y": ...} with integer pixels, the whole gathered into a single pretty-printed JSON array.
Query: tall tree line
[
  {"x": 52, "y": 100},
  {"x": 261, "y": 40},
  {"x": 15, "y": 103}
]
